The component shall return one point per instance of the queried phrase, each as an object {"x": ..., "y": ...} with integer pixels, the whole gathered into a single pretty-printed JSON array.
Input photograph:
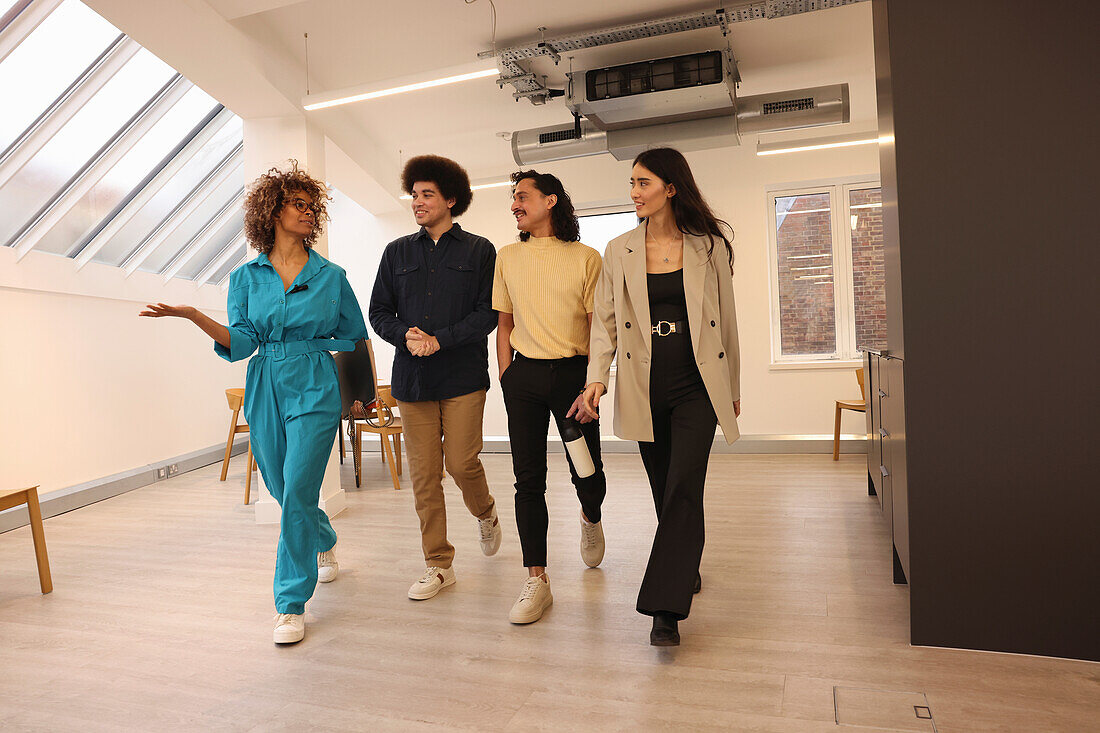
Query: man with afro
[{"x": 432, "y": 300}]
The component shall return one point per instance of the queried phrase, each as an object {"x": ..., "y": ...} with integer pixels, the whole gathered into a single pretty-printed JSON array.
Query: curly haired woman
[{"x": 292, "y": 307}]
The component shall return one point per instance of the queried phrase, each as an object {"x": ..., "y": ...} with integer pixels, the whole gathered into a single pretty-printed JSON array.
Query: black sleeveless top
[{"x": 673, "y": 369}]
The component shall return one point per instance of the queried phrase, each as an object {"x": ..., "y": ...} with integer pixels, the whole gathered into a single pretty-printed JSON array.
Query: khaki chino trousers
[{"x": 439, "y": 432}]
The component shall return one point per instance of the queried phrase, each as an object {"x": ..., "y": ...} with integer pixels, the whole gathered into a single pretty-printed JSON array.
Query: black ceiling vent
[
  {"x": 789, "y": 105},
  {"x": 661, "y": 75},
  {"x": 558, "y": 136}
]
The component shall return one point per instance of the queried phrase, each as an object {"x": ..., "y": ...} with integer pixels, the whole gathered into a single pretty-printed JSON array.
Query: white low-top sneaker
[
  {"x": 289, "y": 628},
  {"x": 592, "y": 544},
  {"x": 490, "y": 534},
  {"x": 327, "y": 567},
  {"x": 534, "y": 599},
  {"x": 431, "y": 582}
]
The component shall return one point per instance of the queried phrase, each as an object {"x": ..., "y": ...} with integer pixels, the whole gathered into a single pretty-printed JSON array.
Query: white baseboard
[
  {"x": 74, "y": 497},
  {"x": 750, "y": 444}
]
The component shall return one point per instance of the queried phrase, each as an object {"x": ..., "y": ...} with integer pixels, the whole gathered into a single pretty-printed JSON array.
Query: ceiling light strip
[
  {"x": 389, "y": 87},
  {"x": 478, "y": 187},
  {"x": 842, "y": 141}
]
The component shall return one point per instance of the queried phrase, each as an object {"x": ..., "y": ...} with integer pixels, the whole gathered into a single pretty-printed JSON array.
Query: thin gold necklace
[{"x": 668, "y": 249}]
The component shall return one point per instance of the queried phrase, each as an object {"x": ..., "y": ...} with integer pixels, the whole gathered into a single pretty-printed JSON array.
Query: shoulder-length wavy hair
[
  {"x": 266, "y": 197},
  {"x": 692, "y": 213},
  {"x": 563, "y": 219}
]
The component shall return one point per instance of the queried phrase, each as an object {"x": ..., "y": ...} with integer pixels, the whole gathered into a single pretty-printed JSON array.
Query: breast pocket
[
  {"x": 407, "y": 279},
  {"x": 461, "y": 284},
  {"x": 259, "y": 306}
]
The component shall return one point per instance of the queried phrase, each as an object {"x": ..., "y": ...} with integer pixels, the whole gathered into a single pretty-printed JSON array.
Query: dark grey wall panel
[{"x": 989, "y": 193}]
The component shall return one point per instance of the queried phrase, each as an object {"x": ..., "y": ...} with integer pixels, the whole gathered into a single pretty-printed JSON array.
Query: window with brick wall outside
[{"x": 828, "y": 282}]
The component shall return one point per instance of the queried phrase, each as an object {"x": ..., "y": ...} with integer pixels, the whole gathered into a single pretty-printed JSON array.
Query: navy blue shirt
[{"x": 445, "y": 290}]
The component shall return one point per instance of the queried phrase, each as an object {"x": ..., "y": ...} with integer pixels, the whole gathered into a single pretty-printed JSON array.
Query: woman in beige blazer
[{"x": 664, "y": 304}]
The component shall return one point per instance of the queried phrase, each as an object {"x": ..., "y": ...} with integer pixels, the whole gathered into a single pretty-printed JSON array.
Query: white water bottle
[{"x": 573, "y": 438}]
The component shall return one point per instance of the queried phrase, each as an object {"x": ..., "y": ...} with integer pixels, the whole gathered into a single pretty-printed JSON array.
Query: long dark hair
[
  {"x": 563, "y": 219},
  {"x": 692, "y": 213}
]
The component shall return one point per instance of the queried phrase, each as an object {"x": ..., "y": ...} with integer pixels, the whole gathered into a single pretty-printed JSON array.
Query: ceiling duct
[
  {"x": 688, "y": 102},
  {"x": 560, "y": 142},
  {"x": 791, "y": 110},
  {"x": 690, "y": 87}
]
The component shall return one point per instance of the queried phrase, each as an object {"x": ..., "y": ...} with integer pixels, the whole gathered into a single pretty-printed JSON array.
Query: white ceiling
[
  {"x": 353, "y": 42},
  {"x": 259, "y": 68}
]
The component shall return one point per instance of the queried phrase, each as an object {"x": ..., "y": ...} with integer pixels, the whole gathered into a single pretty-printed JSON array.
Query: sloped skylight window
[
  {"x": 110, "y": 155},
  {"x": 207, "y": 162},
  {"x": 51, "y": 58},
  {"x": 130, "y": 173}
]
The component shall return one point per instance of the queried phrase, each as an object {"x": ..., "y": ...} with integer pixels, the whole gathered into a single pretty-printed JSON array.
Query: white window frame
[
  {"x": 839, "y": 190},
  {"x": 601, "y": 210}
]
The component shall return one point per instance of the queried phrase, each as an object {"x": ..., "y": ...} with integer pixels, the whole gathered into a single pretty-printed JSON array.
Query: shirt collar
[
  {"x": 455, "y": 231},
  {"x": 312, "y": 267}
]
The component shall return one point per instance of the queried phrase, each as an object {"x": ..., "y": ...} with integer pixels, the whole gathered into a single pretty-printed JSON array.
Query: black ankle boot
[
  {"x": 664, "y": 631},
  {"x": 698, "y": 583}
]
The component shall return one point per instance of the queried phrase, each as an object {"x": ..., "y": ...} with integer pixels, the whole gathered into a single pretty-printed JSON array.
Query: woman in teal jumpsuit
[{"x": 291, "y": 307}]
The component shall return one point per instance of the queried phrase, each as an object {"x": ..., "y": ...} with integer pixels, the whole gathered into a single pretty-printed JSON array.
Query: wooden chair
[
  {"x": 14, "y": 497},
  {"x": 235, "y": 398},
  {"x": 390, "y": 454},
  {"x": 858, "y": 406}
]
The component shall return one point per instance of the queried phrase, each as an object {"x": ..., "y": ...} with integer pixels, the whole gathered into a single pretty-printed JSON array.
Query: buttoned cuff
[
  {"x": 445, "y": 338},
  {"x": 241, "y": 345}
]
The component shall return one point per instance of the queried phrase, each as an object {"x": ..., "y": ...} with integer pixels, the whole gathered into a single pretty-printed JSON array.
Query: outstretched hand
[{"x": 160, "y": 310}]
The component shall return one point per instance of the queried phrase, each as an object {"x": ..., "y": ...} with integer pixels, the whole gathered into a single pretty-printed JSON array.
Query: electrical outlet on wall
[
  {"x": 173, "y": 469},
  {"x": 162, "y": 472}
]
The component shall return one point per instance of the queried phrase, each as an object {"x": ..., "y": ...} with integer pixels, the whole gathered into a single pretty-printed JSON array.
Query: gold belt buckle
[{"x": 657, "y": 328}]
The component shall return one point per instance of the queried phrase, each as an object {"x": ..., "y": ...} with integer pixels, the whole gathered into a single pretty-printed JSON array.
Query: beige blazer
[{"x": 620, "y": 322}]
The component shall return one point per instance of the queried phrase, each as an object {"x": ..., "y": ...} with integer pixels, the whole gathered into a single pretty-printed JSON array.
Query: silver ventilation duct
[
  {"x": 689, "y": 87},
  {"x": 544, "y": 144},
  {"x": 791, "y": 110},
  {"x": 558, "y": 142},
  {"x": 771, "y": 112}
]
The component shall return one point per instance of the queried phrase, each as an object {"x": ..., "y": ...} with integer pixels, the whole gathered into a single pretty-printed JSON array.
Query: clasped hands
[{"x": 419, "y": 343}]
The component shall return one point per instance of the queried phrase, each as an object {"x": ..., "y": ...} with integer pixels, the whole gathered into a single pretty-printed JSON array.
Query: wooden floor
[{"x": 161, "y": 619}]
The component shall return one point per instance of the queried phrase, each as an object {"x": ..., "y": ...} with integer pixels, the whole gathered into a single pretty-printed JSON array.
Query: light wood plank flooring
[{"x": 161, "y": 619}]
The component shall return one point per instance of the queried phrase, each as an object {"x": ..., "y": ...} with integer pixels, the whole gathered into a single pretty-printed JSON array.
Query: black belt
[{"x": 667, "y": 328}]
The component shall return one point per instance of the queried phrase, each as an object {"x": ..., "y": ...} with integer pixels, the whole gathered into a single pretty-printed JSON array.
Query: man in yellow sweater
[{"x": 543, "y": 290}]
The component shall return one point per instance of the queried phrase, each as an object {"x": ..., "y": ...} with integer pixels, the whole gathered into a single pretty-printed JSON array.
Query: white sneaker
[
  {"x": 431, "y": 582},
  {"x": 327, "y": 567},
  {"x": 592, "y": 544},
  {"x": 289, "y": 628},
  {"x": 534, "y": 599},
  {"x": 490, "y": 534}
]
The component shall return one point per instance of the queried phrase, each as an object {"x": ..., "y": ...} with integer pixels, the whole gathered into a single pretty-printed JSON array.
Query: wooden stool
[
  {"x": 14, "y": 497},
  {"x": 235, "y": 398},
  {"x": 390, "y": 454},
  {"x": 385, "y": 434},
  {"x": 857, "y": 406}
]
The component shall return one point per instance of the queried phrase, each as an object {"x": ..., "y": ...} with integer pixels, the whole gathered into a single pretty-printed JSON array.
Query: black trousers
[
  {"x": 676, "y": 462},
  {"x": 535, "y": 389}
]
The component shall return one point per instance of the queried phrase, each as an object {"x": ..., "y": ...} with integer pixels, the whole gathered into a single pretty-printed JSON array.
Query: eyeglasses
[{"x": 302, "y": 206}]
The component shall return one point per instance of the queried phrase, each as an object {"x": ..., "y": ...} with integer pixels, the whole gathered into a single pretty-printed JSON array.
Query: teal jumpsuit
[{"x": 292, "y": 398}]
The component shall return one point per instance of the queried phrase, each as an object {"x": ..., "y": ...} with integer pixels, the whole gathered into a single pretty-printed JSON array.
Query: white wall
[
  {"x": 356, "y": 239},
  {"x": 90, "y": 389},
  {"x": 734, "y": 180}
]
